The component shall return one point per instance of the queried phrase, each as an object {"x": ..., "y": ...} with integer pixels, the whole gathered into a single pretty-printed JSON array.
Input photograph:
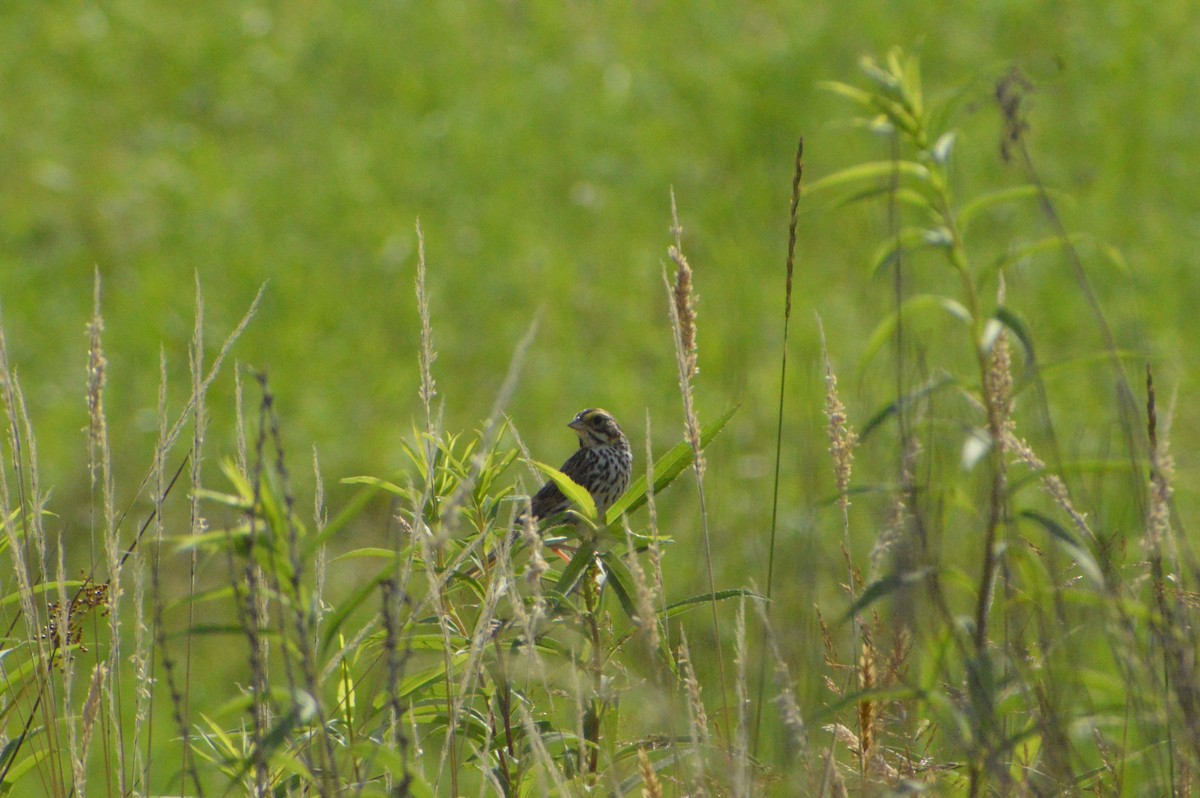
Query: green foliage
[
  {"x": 1014, "y": 607},
  {"x": 444, "y": 666}
]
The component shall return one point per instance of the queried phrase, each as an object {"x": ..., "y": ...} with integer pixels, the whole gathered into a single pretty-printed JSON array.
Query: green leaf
[
  {"x": 418, "y": 681},
  {"x": 860, "y": 96},
  {"x": 21, "y": 768},
  {"x": 364, "y": 590},
  {"x": 1010, "y": 319},
  {"x": 667, "y": 468},
  {"x": 915, "y": 395},
  {"x": 985, "y": 202},
  {"x": 901, "y": 195},
  {"x": 915, "y": 305},
  {"x": 575, "y": 568},
  {"x": 884, "y": 587},
  {"x": 871, "y": 170},
  {"x": 909, "y": 239},
  {"x": 620, "y": 579},
  {"x": 1029, "y": 250},
  {"x": 1074, "y": 549},
  {"x": 574, "y": 492},
  {"x": 683, "y": 605},
  {"x": 350, "y": 512}
]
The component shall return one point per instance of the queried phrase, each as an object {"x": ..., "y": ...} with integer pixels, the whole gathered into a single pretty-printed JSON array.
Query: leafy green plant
[{"x": 1003, "y": 604}]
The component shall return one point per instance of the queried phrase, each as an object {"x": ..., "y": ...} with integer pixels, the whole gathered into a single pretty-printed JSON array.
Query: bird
[{"x": 602, "y": 465}]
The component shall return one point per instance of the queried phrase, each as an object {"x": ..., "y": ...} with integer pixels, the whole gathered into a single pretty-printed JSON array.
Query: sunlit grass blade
[{"x": 575, "y": 493}]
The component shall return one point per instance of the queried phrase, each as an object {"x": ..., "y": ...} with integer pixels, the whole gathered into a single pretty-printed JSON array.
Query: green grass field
[{"x": 187, "y": 156}]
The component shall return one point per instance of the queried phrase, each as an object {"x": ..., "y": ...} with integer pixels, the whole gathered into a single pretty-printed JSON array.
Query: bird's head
[{"x": 596, "y": 427}]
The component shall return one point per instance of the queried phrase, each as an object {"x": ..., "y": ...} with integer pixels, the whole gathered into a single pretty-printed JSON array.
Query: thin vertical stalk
[{"x": 797, "y": 174}]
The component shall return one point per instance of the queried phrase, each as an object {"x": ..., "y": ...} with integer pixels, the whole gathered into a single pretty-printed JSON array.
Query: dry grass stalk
[
  {"x": 397, "y": 655},
  {"x": 842, "y": 439},
  {"x": 741, "y": 762},
  {"x": 697, "y": 716},
  {"x": 239, "y": 427},
  {"x": 833, "y": 782},
  {"x": 893, "y": 530},
  {"x": 139, "y": 662},
  {"x": 789, "y": 708},
  {"x": 997, "y": 398},
  {"x": 91, "y": 706},
  {"x": 1162, "y": 474},
  {"x": 99, "y": 453},
  {"x": 868, "y": 709},
  {"x": 99, "y": 444},
  {"x": 646, "y": 617},
  {"x": 185, "y": 416},
  {"x": 1173, "y": 627},
  {"x": 546, "y": 770},
  {"x": 320, "y": 519},
  {"x": 684, "y": 302},
  {"x": 683, "y": 324},
  {"x": 998, "y": 386},
  {"x": 682, "y": 308},
  {"x": 898, "y": 657},
  {"x": 428, "y": 387},
  {"x": 198, "y": 524},
  {"x": 537, "y": 566},
  {"x": 1111, "y": 761},
  {"x": 437, "y": 598},
  {"x": 831, "y": 658},
  {"x": 651, "y": 788},
  {"x": 28, "y": 515},
  {"x": 488, "y": 435},
  {"x": 655, "y": 551},
  {"x": 171, "y": 677},
  {"x": 1052, "y": 484}
]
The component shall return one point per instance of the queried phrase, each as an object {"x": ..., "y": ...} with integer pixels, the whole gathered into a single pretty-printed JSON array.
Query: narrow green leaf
[
  {"x": 574, "y": 492},
  {"x": 24, "y": 766},
  {"x": 860, "y": 96},
  {"x": 347, "y": 514},
  {"x": 985, "y": 202},
  {"x": 432, "y": 675},
  {"x": 1010, "y": 319},
  {"x": 575, "y": 568},
  {"x": 1074, "y": 549},
  {"x": 683, "y": 605},
  {"x": 871, "y": 170},
  {"x": 891, "y": 408},
  {"x": 667, "y": 468},
  {"x": 909, "y": 239},
  {"x": 902, "y": 196},
  {"x": 915, "y": 305},
  {"x": 344, "y": 609},
  {"x": 883, "y": 588},
  {"x": 620, "y": 579},
  {"x": 1029, "y": 250}
]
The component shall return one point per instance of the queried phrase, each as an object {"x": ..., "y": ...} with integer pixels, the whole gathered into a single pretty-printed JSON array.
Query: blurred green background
[{"x": 297, "y": 143}]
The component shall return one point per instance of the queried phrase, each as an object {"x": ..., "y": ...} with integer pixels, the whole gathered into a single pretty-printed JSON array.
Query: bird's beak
[{"x": 576, "y": 425}]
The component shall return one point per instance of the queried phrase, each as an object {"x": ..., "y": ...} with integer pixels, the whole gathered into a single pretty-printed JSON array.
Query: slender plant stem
[{"x": 797, "y": 174}]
